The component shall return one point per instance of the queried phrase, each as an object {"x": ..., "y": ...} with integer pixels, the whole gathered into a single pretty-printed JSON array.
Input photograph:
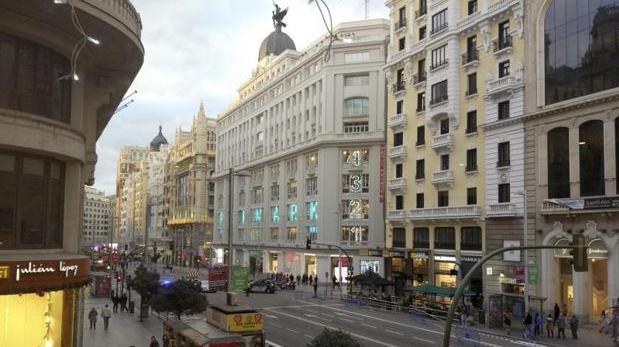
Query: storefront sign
[
  {"x": 533, "y": 274},
  {"x": 371, "y": 252},
  {"x": 31, "y": 275},
  {"x": 447, "y": 258},
  {"x": 470, "y": 258},
  {"x": 234, "y": 322},
  {"x": 395, "y": 254},
  {"x": 418, "y": 255},
  {"x": 589, "y": 204}
]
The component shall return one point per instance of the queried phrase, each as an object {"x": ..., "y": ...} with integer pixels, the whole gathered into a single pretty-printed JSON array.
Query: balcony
[
  {"x": 503, "y": 209},
  {"x": 438, "y": 100},
  {"x": 502, "y": 45},
  {"x": 444, "y": 141},
  {"x": 122, "y": 10},
  {"x": 397, "y": 153},
  {"x": 450, "y": 212},
  {"x": 443, "y": 177},
  {"x": 398, "y": 87},
  {"x": 419, "y": 78},
  {"x": 550, "y": 206},
  {"x": 397, "y": 121},
  {"x": 397, "y": 184},
  {"x": 395, "y": 215},
  {"x": 399, "y": 25},
  {"x": 502, "y": 85},
  {"x": 420, "y": 13},
  {"x": 468, "y": 20},
  {"x": 470, "y": 58},
  {"x": 499, "y": 7},
  {"x": 356, "y": 128},
  {"x": 439, "y": 28}
]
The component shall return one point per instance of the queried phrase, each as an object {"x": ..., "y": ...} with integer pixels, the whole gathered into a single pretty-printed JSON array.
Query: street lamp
[
  {"x": 231, "y": 174},
  {"x": 524, "y": 243}
]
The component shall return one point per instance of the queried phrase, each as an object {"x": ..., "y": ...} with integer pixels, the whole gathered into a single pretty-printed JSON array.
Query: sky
[{"x": 203, "y": 50}]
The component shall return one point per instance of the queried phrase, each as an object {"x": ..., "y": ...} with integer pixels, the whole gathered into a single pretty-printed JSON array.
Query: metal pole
[
  {"x": 526, "y": 260},
  {"x": 230, "y": 207},
  {"x": 467, "y": 279}
]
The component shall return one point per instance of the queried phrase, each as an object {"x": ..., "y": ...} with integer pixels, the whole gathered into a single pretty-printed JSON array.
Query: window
[
  {"x": 275, "y": 192},
  {"x": 311, "y": 186},
  {"x": 421, "y": 135},
  {"x": 439, "y": 21},
  {"x": 471, "y": 196},
  {"x": 558, "y": 163},
  {"x": 356, "y": 80},
  {"x": 399, "y": 237},
  {"x": 274, "y": 233},
  {"x": 355, "y": 183},
  {"x": 503, "y": 154},
  {"x": 421, "y": 71},
  {"x": 439, "y": 92},
  {"x": 503, "y": 109},
  {"x": 471, "y": 122},
  {"x": 257, "y": 194},
  {"x": 420, "y": 200},
  {"x": 439, "y": 57},
  {"x": 292, "y": 189},
  {"x": 355, "y": 234},
  {"x": 356, "y": 157},
  {"x": 472, "y": 84},
  {"x": 399, "y": 80},
  {"x": 355, "y": 209},
  {"x": 504, "y": 194},
  {"x": 29, "y": 79},
  {"x": 241, "y": 217},
  {"x": 257, "y": 215},
  {"x": 399, "y": 202},
  {"x": 505, "y": 39},
  {"x": 471, "y": 160},
  {"x": 423, "y": 8},
  {"x": 471, "y": 49},
  {"x": 421, "y": 238},
  {"x": 275, "y": 214},
  {"x": 421, "y": 101},
  {"x": 422, "y": 33},
  {"x": 291, "y": 213},
  {"x": 311, "y": 210},
  {"x": 444, "y": 238},
  {"x": 443, "y": 198},
  {"x": 470, "y": 239},
  {"x": 311, "y": 161},
  {"x": 402, "y": 17},
  {"x": 420, "y": 169},
  {"x": 399, "y": 107},
  {"x": 444, "y": 162},
  {"x": 356, "y": 106},
  {"x": 291, "y": 234},
  {"x": 398, "y": 170},
  {"x": 581, "y": 58},
  {"x": 356, "y": 127},
  {"x": 591, "y": 155},
  {"x": 472, "y": 7},
  {"x": 398, "y": 139},
  {"x": 401, "y": 43},
  {"x": 504, "y": 68},
  {"x": 444, "y": 126},
  {"x": 312, "y": 232}
]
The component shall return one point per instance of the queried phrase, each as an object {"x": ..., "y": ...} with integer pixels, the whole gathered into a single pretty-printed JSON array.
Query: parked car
[
  {"x": 287, "y": 285},
  {"x": 262, "y": 286}
]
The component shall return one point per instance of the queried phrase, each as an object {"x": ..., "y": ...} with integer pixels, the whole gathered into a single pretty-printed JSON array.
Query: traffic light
[
  {"x": 579, "y": 254},
  {"x": 308, "y": 243}
]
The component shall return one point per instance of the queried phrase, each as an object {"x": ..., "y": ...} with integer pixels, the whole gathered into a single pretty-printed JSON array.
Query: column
[
  {"x": 323, "y": 265},
  {"x": 574, "y": 163},
  {"x": 582, "y": 295},
  {"x": 609, "y": 157},
  {"x": 613, "y": 275}
]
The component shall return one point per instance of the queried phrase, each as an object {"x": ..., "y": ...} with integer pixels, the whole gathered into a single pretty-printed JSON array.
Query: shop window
[
  {"x": 31, "y": 201},
  {"x": 444, "y": 238},
  {"x": 399, "y": 237},
  {"x": 470, "y": 238},
  {"x": 421, "y": 238},
  {"x": 591, "y": 145},
  {"x": 558, "y": 163}
]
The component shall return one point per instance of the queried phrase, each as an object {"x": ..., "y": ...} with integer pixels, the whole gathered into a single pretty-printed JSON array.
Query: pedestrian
[
  {"x": 557, "y": 312},
  {"x": 298, "y": 279},
  {"x": 291, "y": 278},
  {"x": 311, "y": 280},
  {"x": 166, "y": 340},
  {"x": 528, "y": 323},
  {"x": 561, "y": 323},
  {"x": 123, "y": 302},
  {"x": 316, "y": 286},
  {"x": 574, "y": 326},
  {"x": 106, "y": 314},
  {"x": 153, "y": 342},
  {"x": 507, "y": 320},
  {"x": 538, "y": 324},
  {"x": 304, "y": 279},
  {"x": 550, "y": 326},
  {"x": 115, "y": 302},
  {"x": 92, "y": 317},
  {"x": 603, "y": 321}
]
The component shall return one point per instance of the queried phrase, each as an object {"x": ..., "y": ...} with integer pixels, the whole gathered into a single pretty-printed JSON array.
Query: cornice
[{"x": 574, "y": 104}]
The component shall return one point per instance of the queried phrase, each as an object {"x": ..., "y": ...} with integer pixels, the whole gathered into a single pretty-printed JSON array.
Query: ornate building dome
[
  {"x": 157, "y": 141},
  {"x": 277, "y": 41}
]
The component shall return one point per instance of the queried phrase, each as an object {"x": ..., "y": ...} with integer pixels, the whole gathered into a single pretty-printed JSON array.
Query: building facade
[
  {"x": 305, "y": 140},
  {"x": 127, "y": 170},
  {"x": 53, "y": 108},
  {"x": 189, "y": 191},
  {"x": 454, "y": 75},
  {"x": 571, "y": 130},
  {"x": 97, "y": 228}
]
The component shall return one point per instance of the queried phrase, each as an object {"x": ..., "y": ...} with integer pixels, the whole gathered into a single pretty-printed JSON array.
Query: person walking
[
  {"x": 311, "y": 280},
  {"x": 106, "y": 314},
  {"x": 550, "y": 326},
  {"x": 115, "y": 301},
  {"x": 603, "y": 321},
  {"x": 507, "y": 320},
  {"x": 316, "y": 286},
  {"x": 153, "y": 342},
  {"x": 92, "y": 317},
  {"x": 538, "y": 324},
  {"x": 298, "y": 279},
  {"x": 557, "y": 312},
  {"x": 528, "y": 323},
  {"x": 123, "y": 302},
  {"x": 574, "y": 326},
  {"x": 561, "y": 324}
]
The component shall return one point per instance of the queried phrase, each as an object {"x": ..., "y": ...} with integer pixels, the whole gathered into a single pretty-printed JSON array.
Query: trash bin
[{"x": 131, "y": 306}]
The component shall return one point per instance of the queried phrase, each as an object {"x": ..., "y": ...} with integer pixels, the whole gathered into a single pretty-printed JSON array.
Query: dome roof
[
  {"x": 157, "y": 141},
  {"x": 276, "y": 43}
]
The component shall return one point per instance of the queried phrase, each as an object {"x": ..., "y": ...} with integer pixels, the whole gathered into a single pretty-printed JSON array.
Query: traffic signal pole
[
  {"x": 577, "y": 247},
  {"x": 308, "y": 245}
]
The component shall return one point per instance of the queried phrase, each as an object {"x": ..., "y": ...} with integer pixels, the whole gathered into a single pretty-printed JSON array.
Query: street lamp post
[
  {"x": 524, "y": 244},
  {"x": 231, "y": 174}
]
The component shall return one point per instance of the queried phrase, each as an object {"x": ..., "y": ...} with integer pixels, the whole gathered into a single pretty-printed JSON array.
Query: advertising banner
[{"x": 240, "y": 276}]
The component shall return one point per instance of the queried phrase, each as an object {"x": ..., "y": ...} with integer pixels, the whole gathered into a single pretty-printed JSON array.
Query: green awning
[{"x": 439, "y": 291}]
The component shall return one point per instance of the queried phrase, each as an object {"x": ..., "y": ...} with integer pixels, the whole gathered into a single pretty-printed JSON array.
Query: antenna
[{"x": 367, "y": 9}]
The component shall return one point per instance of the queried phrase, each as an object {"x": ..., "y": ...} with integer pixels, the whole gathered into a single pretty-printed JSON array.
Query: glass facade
[
  {"x": 558, "y": 163},
  {"x": 581, "y": 48}
]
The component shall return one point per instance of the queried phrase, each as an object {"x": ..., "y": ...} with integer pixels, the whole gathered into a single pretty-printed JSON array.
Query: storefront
[
  {"x": 421, "y": 268},
  {"x": 40, "y": 299},
  {"x": 396, "y": 269}
]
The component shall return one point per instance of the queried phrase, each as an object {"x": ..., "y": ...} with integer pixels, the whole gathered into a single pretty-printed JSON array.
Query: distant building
[
  {"x": 128, "y": 166},
  {"x": 97, "y": 227}
]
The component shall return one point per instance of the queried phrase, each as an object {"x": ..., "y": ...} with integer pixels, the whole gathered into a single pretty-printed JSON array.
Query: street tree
[
  {"x": 334, "y": 338},
  {"x": 182, "y": 297},
  {"x": 146, "y": 283}
]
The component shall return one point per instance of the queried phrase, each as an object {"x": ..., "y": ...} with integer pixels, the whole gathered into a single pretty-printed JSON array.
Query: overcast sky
[{"x": 203, "y": 50}]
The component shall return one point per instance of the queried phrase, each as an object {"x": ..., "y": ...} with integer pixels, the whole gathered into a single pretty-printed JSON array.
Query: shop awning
[{"x": 438, "y": 291}]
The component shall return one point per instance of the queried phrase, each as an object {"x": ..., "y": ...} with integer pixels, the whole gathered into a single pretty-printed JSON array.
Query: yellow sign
[
  {"x": 4, "y": 272},
  {"x": 241, "y": 322}
]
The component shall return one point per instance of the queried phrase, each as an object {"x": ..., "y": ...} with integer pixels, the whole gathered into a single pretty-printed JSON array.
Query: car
[
  {"x": 262, "y": 286},
  {"x": 205, "y": 288}
]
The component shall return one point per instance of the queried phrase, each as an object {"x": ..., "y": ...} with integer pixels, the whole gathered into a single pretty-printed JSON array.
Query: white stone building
[
  {"x": 308, "y": 126},
  {"x": 97, "y": 217}
]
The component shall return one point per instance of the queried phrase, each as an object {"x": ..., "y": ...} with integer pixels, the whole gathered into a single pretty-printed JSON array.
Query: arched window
[
  {"x": 581, "y": 41},
  {"x": 558, "y": 163},
  {"x": 357, "y": 106},
  {"x": 591, "y": 145}
]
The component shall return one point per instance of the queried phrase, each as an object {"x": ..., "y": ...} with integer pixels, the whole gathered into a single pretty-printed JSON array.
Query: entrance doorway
[
  {"x": 598, "y": 268},
  {"x": 310, "y": 265}
]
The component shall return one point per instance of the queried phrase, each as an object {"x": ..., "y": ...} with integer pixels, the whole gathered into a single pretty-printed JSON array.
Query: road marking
[
  {"x": 275, "y": 325},
  {"x": 270, "y": 316},
  {"x": 309, "y": 337},
  {"x": 310, "y": 315},
  {"x": 367, "y": 325},
  {"x": 324, "y": 325},
  {"x": 424, "y": 340},
  {"x": 347, "y": 320},
  {"x": 272, "y": 344},
  {"x": 394, "y": 332},
  {"x": 294, "y": 331}
]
